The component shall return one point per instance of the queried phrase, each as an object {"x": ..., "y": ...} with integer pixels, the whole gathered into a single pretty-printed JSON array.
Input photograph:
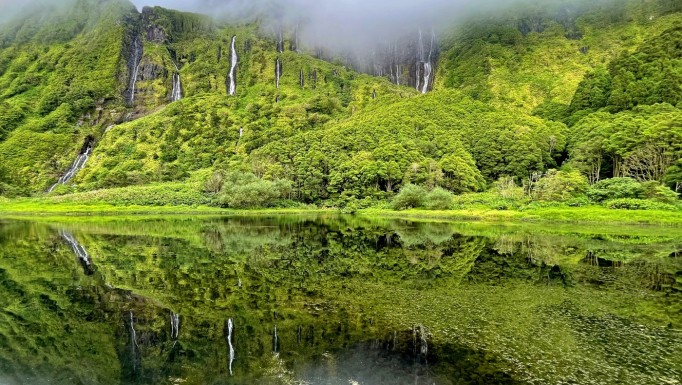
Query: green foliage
[
  {"x": 659, "y": 193},
  {"x": 409, "y": 197},
  {"x": 560, "y": 186},
  {"x": 638, "y": 204},
  {"x": 438, "y": 199},
  {"x": 245, "y": 190},
  {"x": 615, "y": 188}
]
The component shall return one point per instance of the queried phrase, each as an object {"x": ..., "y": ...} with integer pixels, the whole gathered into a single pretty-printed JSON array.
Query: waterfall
[
  {"x": 175, "y": 325},
  {"x": 275, "y": 341},
  {"x": 233, "y": 67},
  {"x": 424, "y": 67},
  {"x": 135, "y": 69},
  {"x": 230, "y": 327},
  {"x": 301, "y": 79},
  {"x": 278, "y": 72},
  {"x": 295, "y": 43},
  {"x": 76, "y": 166},
  {"x": 280, "y": 41},
  {"x": 176, "y": 93},
  {"x": 374, "y": 94}
]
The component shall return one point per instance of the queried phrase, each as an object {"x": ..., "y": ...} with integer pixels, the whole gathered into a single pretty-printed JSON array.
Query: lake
[{"x": 337, "y": 300}]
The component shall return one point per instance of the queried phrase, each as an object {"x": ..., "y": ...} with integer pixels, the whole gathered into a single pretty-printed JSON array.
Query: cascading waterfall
[
  {"x": 175, "y": 325},
  {"x": 138, "y": 50},
  {"x": 176, "y": 94},
  {"x": 424, "y": 67},
  {"x": 302, "y": 79},
  {"x": 278, "y": 72},
  {"x": 76, "y": 166},
  {"x": 232, "y": 78},
  {"x": 230, "y": 327}
]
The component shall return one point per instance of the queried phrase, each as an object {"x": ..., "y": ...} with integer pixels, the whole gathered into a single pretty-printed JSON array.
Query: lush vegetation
[{"x": 538, "y": 108}]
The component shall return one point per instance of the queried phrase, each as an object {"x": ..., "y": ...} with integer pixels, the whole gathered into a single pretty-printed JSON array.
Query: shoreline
[{"x": 590, "y": 215}]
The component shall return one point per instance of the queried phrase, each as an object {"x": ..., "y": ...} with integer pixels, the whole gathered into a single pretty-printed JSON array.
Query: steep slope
[{"x": 537, "y": 56}]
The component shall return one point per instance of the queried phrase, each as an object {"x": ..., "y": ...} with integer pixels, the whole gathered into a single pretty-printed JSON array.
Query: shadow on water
[{"x": 335, "y": 300}]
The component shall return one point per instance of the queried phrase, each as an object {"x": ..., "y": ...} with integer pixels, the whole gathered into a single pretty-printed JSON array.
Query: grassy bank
[{"x": 588, "y": 214}]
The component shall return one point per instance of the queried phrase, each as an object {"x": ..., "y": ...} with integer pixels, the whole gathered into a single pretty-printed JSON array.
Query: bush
[
  {"x": 637, "y": 204},
  {"x": 245, "y": 190},
  {"x": 439, "y": 199},
  {"x": 659, "y": 193},
  {"x": 615, "y": 188},
  {"x": 561, "y": 185},
  {"x": 410, "y": 196}
]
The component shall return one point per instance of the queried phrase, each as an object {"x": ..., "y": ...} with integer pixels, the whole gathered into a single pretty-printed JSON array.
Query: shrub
[
  {"x": 438, "y": 199},
  {"x": 615, "y": 188},
  {"x": 410, "y": 196},
  {"x": 659, "y": 193},
  {"x": 506, "y": 188},
  {"x": 245, "y": 190},
  {"x": 561, "y": 185},
  {"x": 637, "y": 204}
]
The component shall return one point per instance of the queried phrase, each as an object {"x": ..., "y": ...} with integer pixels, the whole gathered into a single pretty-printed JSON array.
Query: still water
[{"x": 336, "y": 300}]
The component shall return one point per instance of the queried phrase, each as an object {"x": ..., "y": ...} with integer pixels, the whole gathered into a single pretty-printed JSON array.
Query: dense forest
[{"x": 578, "y": 103}]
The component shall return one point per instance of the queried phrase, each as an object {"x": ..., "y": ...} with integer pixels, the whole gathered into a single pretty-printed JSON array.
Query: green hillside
[{"x": 592, "y": 90}]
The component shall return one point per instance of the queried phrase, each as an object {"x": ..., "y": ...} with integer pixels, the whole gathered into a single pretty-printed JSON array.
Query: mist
[{"x": 342, "y": 24}]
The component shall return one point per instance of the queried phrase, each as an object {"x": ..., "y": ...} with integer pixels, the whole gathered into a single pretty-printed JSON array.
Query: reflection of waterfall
[
  {"x": 133, "y": 341},
  {"x": 230, "y": 327},
  {"x": 278, "y": 72},
  {"x": 76, "y": 166},
  {"x": 175, "y": 325},
  {"x": 134, "y": 68},
  {"x": 275, "y": 341},
  {"x": 79, "y": 250},
  {"x": 232, "y": 78},
  {"x": 176, "y": 93}
]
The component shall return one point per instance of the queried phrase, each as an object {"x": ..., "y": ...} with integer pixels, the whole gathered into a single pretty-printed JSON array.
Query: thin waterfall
[
  {"x": 230, "y": 327},
  {"x": 275, "y": 341},
  {"x": 280, "y": 41},
  {"x": 420, "y": 60},
  {"x": 301, "y": 79},
  {"x": 278, "y": 72},
  {"x": 175, "y": 325},
  {"x": 76, "y": 166},
  {"x": 232, "y": 78},
  {"x": 137, "y": 59},
  {"x": 374, "y": 94},
  {"x": 428, "y": 66}
]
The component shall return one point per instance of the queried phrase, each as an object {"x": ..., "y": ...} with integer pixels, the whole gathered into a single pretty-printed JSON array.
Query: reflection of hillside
[{"x": 326, "y": 285}]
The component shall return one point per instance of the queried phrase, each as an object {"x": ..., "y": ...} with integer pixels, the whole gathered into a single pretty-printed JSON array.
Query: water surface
[{"x": 336, "y": 300}]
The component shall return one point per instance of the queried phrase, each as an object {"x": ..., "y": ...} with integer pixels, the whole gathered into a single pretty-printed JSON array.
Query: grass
[
  {"x": 53, "y": 206},
  {"x": 589, "y": 214}
]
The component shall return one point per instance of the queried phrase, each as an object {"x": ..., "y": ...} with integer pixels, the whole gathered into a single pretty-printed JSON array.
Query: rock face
[{"x": 411, "y": 61}]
